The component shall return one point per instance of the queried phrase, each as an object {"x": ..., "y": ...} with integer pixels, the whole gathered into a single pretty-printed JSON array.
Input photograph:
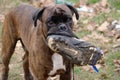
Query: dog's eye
[
  {"x": 69, "y": 19},
  {"x": 55, "y": 19},
  {"x": 50, "y": 23}
]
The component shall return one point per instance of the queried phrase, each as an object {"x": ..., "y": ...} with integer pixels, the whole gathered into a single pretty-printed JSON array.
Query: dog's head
[
  {"x": 57, "y": 19},
  {"x": 57, "y": 26}
]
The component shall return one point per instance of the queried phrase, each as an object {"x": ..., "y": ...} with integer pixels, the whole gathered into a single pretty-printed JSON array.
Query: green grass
[
  {"x": 100, "y": 18},
  {"x": 15, "y": 71},
  {"x": 106, "y": 73},
  {"x": 114, "y": 4},
  {"x": 25, "y": 0},
  {"x": 73, "y": 1},
  {"x": 92, "y": 1},
  {"x": 83, "y": 33},
  {"x": 110, "y": 65},
  {"x": 88, "y": 2},
  {"x": 114, "y": 14},
  {"x": 77, "y": 70}
]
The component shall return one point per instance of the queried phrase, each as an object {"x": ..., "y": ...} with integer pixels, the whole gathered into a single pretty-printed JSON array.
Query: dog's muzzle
[{"x": 77, "y": 51}]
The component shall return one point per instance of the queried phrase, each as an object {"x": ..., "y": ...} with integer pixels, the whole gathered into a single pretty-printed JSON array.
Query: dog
[{"x": 31, "y": 26}]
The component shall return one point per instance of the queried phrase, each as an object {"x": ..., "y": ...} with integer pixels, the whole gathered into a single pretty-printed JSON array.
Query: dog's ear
[
  {"x": 38, "y": 15},
  {"x": 73, "y": 10}
]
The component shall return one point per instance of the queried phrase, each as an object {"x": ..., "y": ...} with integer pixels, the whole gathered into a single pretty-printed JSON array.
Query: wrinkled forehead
[{"x": 57, "y": 10}]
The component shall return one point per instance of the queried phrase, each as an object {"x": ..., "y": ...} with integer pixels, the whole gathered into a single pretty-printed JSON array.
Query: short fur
[{"x": 20, "y": 25}]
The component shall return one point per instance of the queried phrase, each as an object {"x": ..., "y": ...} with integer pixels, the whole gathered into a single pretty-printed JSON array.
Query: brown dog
[{"x": 31, "y": 26}]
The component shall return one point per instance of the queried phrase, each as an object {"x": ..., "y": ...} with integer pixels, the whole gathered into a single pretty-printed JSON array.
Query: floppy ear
[
  {"x": 38, "y": 15},
  {"x": 73, "y": 10}
]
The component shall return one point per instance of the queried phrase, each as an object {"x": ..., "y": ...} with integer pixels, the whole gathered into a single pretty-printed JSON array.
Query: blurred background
[{"x": 99, "y": 24}]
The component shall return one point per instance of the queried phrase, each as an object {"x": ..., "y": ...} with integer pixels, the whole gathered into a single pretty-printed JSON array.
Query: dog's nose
[{"x": 63, "y": 27}]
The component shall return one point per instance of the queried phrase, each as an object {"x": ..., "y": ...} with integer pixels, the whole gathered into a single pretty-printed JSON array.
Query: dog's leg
[
  {"x": 8, "y": 45},
  {"x": 6, "y": 55},
  {"x": 27, "y": 74},
  {"x": 68, "y": 75}
]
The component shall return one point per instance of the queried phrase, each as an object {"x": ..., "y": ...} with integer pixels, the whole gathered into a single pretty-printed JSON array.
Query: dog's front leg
[
  {"x": 27, "y": 74},
  {"x": 69, "y": 74}
]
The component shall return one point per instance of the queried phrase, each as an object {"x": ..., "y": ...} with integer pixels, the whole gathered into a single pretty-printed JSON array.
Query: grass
[
  {"x": 15, "y": 72},
  {"x": 100, "y": 18},
  {"x": 110, "y": 65},
  {"x": 112, "y": 3},
  {"x": 115, "y": 4},
  {"x": 92, "y": 1},
  {"x": 83, "y": 33},
  {"x": 106, "y": 73},
  {"x": 6, "y": 5},
  {"x": 114, "y": 14},
  {"x": 73, "y": 1}
]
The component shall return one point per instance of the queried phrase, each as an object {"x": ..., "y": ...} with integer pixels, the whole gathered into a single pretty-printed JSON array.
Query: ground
[{"x": 95, "y": 27}]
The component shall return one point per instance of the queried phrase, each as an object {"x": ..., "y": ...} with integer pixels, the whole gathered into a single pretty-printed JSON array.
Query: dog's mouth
[
  {"x": 58, "y": 32},
  {"x": 77, "y": 51}
]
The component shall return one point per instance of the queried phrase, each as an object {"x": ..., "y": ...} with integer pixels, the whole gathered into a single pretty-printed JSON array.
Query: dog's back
[
  {"x": 19, "y": 22},
  {"x": 16, "y": 26}
]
